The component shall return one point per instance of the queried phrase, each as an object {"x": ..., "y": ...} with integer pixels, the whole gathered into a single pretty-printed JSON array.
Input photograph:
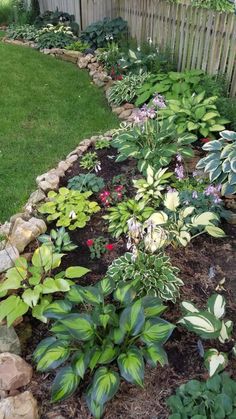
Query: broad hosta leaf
[
  {"x": 64, "y": 384},
  {"x": 215, "y": 145},
  {"x": 126, "y": 293},
  {"x": 131, "y": 366},
  {"x": 76, "y": 271},
  {"x": 12, "y": 308},
  {"x": 172, "y": 201},
  {"x": 106, "y": 286},
  {"x": 81, "y": 362},
  {"x": 154, "y": 354},
  {"x": 31, "y": 296},
  {"x": 203, "y": 323},
  {"x": 105, "y": 385},
  {"x": 215, "y": 231},
  {"x": 42, "y": 347},
  {"x": 216, "y": 305},
  {"x": 158, "y": 218},
  {"x": 38, "y": 310},
  {"x": 152, "y": 306},
  {"x": 96, "y": 409},
  {"x": 91, "y": 295},
  {"x": 226, "y": 331},
  {"x": 58, "y": 309},
  {"x": 74, "y": 294},
  {"x": 132, "y": 318},
  {"x": 80, "y": 326},
  {"x": 156, "y": 330},
  {"x": 109, "y": 352},
  {"x": 189, "y": 307},
  {"x": 204, "y": 219},
  {"x": 215, "y": 361},
  {"x": 57, "y": 353}
]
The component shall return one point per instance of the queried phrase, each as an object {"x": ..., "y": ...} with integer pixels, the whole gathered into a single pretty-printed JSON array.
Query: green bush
[
  {"x": 86, "y": 182},
  {"x": 99, "y": 33},
  {"x": 51, "y": 36},
  {"x": 78, "y": 46},
  {"x": 22, "y": 32},
  {"x": 55, "y": 18},
  {"x": 125, "y": 90},
  {"x": 227, "y": 108}
]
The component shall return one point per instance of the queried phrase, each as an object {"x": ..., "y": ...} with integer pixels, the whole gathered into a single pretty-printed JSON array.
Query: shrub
[
  {"x": 227, "y": 108},
  {"x": 86, "y": 182},
  {"x": 99, "y": 33},
  {"x": 218, "y": 5},
  {"x": 111, "y": 341},
  {"x": 51, "y": 36},
  {"x": 55, "y": 18},
  {"x": 90, "y": 161},
  {"x": 59, "y": 239},
  {"x": 70, "y": 209},
  {"x": 25, "y": 32},
  {"x": 78, "y": 46},
  {"x": 125, "y": 90},
  {"x": 150, "y": 189}
]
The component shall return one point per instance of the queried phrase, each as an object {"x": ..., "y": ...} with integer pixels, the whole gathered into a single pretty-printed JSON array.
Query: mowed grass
[{"x": 47, "y": 107}]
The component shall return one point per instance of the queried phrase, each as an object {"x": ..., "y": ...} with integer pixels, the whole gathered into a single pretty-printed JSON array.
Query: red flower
[
  {"x": 205, "y": 140},
  {"x": 109, "y": 247},
  {"x": 89, "y": 242}
]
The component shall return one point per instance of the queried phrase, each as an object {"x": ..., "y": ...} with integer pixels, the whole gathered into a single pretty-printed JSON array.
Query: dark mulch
[{"x": 202, "y": 264}]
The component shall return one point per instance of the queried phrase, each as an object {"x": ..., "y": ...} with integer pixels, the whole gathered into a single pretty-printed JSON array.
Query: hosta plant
[
  {"x": 125, "y": 90},
  {"x": 154, "y": 143},
  {"x": 59, "y": 239},
  {"x": 78, "y": 46},
  {"x": 220, "y": 163},
  {"x": 209, "y": 324},
  {"x": 119, "y": 215},
  {"x": 150, "y": 189},
  {"x": 107, "y": 341},
  {"x": 51, "y": 36},
  {"x": 90, "y": 161},
  {"x": 99, "y": 33},
  {"x": 86, "y": 182},
  {"x": 177, "y": 226},
  {"x": 70, "y": 209},
  {"x": 213, "y": 398},
  {"x": 153, "y": 274},
  {"x": 195, "y": 114},
  {"x": 26, "y": 32},
  {"x": 35, "y": 284},
  {"x": 101, "y": 144}
]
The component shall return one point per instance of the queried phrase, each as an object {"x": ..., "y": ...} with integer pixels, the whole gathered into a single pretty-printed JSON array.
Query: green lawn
[{"x": 47, "y": 107}]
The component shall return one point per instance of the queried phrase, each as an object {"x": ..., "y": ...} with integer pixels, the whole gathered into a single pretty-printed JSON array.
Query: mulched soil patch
[{"x": 203, "y": 264}]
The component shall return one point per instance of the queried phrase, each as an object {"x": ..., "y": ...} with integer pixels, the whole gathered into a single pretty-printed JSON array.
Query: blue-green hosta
[
  {"x": 59, "y": 239},
  {"x": 68, "y": 208},
  {"x": 153, "y": 275},
  {"x": 35, "y": 284},
  {"x": 209, "y": 324},
  {"x": 108, "y": 341},
  {"x": 220, "y": 163}
]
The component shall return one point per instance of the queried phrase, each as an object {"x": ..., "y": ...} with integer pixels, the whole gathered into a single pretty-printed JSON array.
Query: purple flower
[
  {"x": 144, "y": 113},
  {"x": 194, "y": 195},
  {"x": 159, "y": 101},
  {"x": 171, "y": 190},
  {"x": 214, "y": 191},
  {"x": 179, "y": 171},
  {"x": 179, "y": 158}
]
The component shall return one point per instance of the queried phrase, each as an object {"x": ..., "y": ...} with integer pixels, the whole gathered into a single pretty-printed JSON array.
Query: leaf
[
  {"x": 74, "y": 294},
  {"x": 91, "y": 295},
  {"x": 38, "y": 310},
  {"x": 58, "y": 309},
  {"x": 81, "y": 362},
  {"x": 215, "y": 145},
  {"x": 204, "y": 219},
  {"x": 215, "y": 231},
  {"x": 31, "y": 296},
  {"x": 189, "y": 307},
  {"x": 154, "y": 354},
  {"x": 172, "y": 201},
  {"x": 64, "y": 384},
  {"x": 126, "y": 293},
  {"x": 209, "y": 115},
  {"x": 226, "y": 331},
  {"x": 42, "y": 347},
  {"x": 152, "y": 306},
  {"x": 132, "y": 318},
  {"x": 76, "y": 272},
  {"x": 109, "y": 353},
  {"x": 80, "y": 326},
  {"x": 106, "y": 286},
  {"x": 131, "y": 366},
  {"x": 105, "y": 385},
  {"x": 203, "y": 323},
  {"x": 96, "y": 409},
  {"x": 12, "y": 308},
  {"x": 57, "y": 353},
  {"x": 156, "y": 330},
  {"x": 215, "y": 361},
  {"x": 216, "y": 305},
  {"x": 158, "y": 218}
]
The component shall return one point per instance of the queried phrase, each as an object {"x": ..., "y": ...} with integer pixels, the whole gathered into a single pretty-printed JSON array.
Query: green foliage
[
  {"x": 227, "y": 108},
  {"x": 26, "y": 32},
  {"x": 101, "y": 144},
  {"x": 6, "y": 12},
  {"x": 59, "y": 239},
  {"x": 155, "y": 143},
  {"x": 218, "y": 5},
  {"x": 214, "y": 86},
  {"x": 51, "y": 36},
  {"x": 78, "y": 46},
  {"x": 55, "y": 18},
  {"x": 110, "y": 56},
  {"x": 97, "y": 247},
  {"x": 153, "y": 275},
  {"x": 110, "y": 341},
  {"x": 150, "y": 189},
  {"x": 125, "y": 90},
  {"x": 70, "y": 209},
  {"x": 195, "y": 114},
  {"x": 90, "y": 161},
  {"x": 35, "y": 284},
  {"x": 86, "y": 182},
  {"x": 173, "y": 85},
  {"x": 99, "y": 33},
  {"x": 214, "y": 398},
  {"x": 122, "y": 212},
  {"x": 220, "y": 163}
]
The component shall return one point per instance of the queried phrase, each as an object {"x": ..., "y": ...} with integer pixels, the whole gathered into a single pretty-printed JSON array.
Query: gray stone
[
  {"x": 72, "y": 159},
  {"x": 125, "y": 114},
  {"x": 5, "y": 229},
  {"x": 118, "y": 110},
  {"x": 7, "y": 257},
  {"x": 48, "y": 181},
  {"x": 46, "y": 51},
  {"x": 9, "y": 341},
  {"x": 36, "y": 197},
  {"x": 84, "y": 61},
  {"x": 14, "y": 372},
  {"x": 21, "y": 406},
  {"x": 24, "y": 232},
  {"x": 63, "y": 165},
  {"x": 98, "y": 82}
]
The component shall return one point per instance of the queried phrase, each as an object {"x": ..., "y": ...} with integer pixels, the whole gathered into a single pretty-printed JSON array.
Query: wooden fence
[{"x": 199, "y": 38}]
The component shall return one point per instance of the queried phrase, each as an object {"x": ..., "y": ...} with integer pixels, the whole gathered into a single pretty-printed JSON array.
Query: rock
[
  {"x": 98, "y": 82},
  {"x": 7, "y": 257},
  {"x": 14, "y": 372},
  {"x": 125, "y": 114},
  {"x": 231, "y": 218},
  {"x": 56, "y": 51},
  {"x": 72, "y": 159},
  {"x": 15, "y": 216},
  {"x": 71, "y": 56},
  {"x": 9, "y": 341},
  {"x": 48, "y": 181},
  {"x": 128, "y": 106},
  {"x": 3, "y": 395},
  {"x": 54, "y": 415},
  {"x": 21, "y": 406},
  {"x": 93, "y": 66},
  {"x": 46, "y": 51},
  {"x": 5, "y": 229},
  {"x": 118, "y": 110},
  {"x": 24, "y": 232},
  {"x": 36, "y": 197},
  {"x": 63, "y": 165},
  {"x": 84, "y": 61}
]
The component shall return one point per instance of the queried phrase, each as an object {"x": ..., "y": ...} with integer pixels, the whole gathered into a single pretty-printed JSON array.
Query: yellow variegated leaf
[{"x": 172, "y": 201}]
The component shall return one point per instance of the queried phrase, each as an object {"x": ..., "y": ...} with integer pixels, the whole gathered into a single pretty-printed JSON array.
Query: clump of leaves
[
  {"x": 78, "y": 46},
  {"x": 51, "y": 36},
  {"x": 25, "y": 32},
  {"x": 90, "y": 161},
  {"x": 122, "y": 212},
  {"x": 153, "y": 274},
  {"x": 99, "y": 33},
  {"x": 220, "y": 163},
  {"x": 35, "y": 284},
  {"x": 214, "y": 398},
  {"x": 150, "y": 189},
  {"x": 59, "y": 239},
  {"x": 109, "y": 340},
  {"x": 68, "y": 208},
  {"x": 125, "y": 90},
  {"x": 101, "y": 144},
  {"x": 98, "y": 246},
  {"x": 86, "y": 182}
]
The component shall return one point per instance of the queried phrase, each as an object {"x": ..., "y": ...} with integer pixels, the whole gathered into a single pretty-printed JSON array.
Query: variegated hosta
[
  {"x": 107, "y": 340},
  {"x": 220, "y": 163},
  {"x": 209, "y": 324},
  {"x": 150, "y": 189},
  {"x": 153, "y": 275},
  {"x": 175, "y": 226}
]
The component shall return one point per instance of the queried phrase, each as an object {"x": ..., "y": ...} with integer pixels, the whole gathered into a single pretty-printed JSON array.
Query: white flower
[{"x": 72, "y": 215}]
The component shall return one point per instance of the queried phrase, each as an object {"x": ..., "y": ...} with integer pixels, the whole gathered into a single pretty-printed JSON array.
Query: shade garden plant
[{"x": 149, "y": 230}]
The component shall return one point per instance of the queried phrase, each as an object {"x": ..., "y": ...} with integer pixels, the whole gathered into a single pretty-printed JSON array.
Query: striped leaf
[
  {"x": 216, "y": 305},
  {"x": 109, "y": 353},
  {"x": 64, "y": 384},
  {"x": 131, "y": 366},
  {"x": 42, "y": 347},
  {"x": 106, "y": 286},
  {"x": 105, "y": 385},
  {"x": 91, "y": 295},
  {"x": 57, "y": 309},
  {"x": 154, "y": 354},
  {"x": 80, "y": 326},
  {"x": 187, "y": 306},
  {"x": 125, "y": 294},
  {"x": 156, "y": 330},
  {"x": 203, "y": 324},
  {"x": 132, "y": 318},
  {"x": 152, "y": 306},
  {"x": 226, "y": 331},
  {"x": 96, "y": 409},
  {"x": 57, "y": 353},
  {"x": 81, "y": 362},
  {"x": 215, "y": 361}
]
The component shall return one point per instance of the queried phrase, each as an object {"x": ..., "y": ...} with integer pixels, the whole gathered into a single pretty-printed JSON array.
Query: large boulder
[
  {"x": 24, "y": 232},
  {"x": 21, "y": 406},
  {"x": 8, "y": 255},
  {"x": 14, "y": 372},
  {"x": 9, "y": 341}
]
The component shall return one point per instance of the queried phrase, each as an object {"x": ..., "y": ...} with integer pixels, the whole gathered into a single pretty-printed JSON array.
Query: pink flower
[
  {"x": 205, "y": 140},
  {"x": 89, "y": 242},
  {"x": 109, "y": 247}
]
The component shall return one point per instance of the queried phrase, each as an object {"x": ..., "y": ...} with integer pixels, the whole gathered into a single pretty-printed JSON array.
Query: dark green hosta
[
  {"x": 86, "y": 182},
  {"x": 213, "y": 399},
  {"x": 154, "y": 143},
  {"x": 110, "y": 341},
  {"x": 220, "y": 163},
  {"x": 153, "y": 275}
]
